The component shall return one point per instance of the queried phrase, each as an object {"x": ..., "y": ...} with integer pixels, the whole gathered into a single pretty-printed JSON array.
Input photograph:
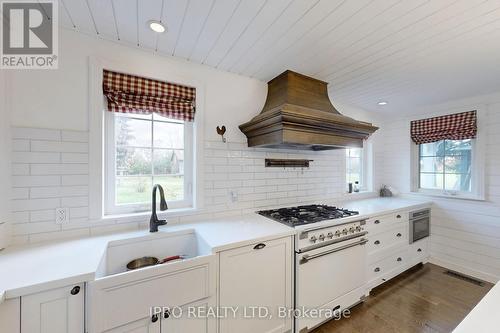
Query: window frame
[
  {"x": 361, "y": 165},
  {"x": 97, "y": 211},
  {"x": 110, "y": 205},
  {"x": 477, "y": 165},
  {"x": 366, "y": 177}
]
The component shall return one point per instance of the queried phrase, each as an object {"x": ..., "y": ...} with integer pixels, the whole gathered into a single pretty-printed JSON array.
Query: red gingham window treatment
[
  {"x": 133, "y": 94},
  {"x": 458, "y": 126}
]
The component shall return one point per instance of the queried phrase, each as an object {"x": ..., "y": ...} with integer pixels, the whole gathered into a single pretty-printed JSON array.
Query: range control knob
[
  {"x": 358, "y": 228},
  {"x": 313, "y": 239},
  {"x": 321, "y": 237},
  {"x": 329, "y": 235},
  {"x": 337, "y": 233},
  {"x": 352, "y": 230},
  {"x": 345, "y": 231}
]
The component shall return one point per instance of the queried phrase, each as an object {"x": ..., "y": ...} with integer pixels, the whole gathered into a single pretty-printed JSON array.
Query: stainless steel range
[{"x": 330, "y": 260}]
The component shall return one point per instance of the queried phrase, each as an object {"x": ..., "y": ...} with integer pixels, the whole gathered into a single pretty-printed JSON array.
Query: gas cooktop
[{"x": 300, "y": 215}]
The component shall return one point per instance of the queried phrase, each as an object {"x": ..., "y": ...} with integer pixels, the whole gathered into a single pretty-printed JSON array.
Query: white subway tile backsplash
[
  {"x": 52, "y": 171},
  {"x": 35, "y": 133},
  {"x": 75, "y": 180},
  {"x": 20, "y": 169},
  {"x": 59, "y": 169},
  {"x": 74, "y": 136},
  {"x": 43, "y": 215},
  {"x": 75, "y": 202},
  {"x": 55, "y": 146},
  {"x": 35, "y": 181},
  {"x": 74, "y": 158},
  {"x": 34, "y": 204},
  {"x": 20, "y": 145},
  {"x": 20, "y": 193},
  {"x": 35, "y": 157}
]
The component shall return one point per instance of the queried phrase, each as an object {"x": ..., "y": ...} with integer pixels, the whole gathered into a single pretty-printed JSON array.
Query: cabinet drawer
[
  {"x": 380, "y": 223},
  {"x": 419, "y": 250},
  {"x": 391, "y": 237},
  {"x": 384, "y": 268}
]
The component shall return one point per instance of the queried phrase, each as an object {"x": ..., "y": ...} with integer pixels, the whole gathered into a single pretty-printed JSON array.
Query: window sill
[
  {"x": 448, "y": 196},
  {"x": 145, "y": 215},
  {"x": 360, "y": 195}
]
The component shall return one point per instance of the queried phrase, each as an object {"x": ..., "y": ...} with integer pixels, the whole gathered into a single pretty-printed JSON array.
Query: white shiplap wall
[
  {"x": 50, "y": 170},
  {"x": 465, "y": 233}
]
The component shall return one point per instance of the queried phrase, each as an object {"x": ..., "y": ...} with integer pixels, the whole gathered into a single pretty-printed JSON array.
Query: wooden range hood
[{"x": 299, "y": 115}]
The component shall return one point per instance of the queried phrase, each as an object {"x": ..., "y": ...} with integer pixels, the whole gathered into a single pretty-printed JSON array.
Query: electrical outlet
[{"x": 62, "y": 215}]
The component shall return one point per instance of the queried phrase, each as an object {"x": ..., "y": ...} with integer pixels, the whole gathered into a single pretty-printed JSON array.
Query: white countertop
[
  {"x": 33, "y": 268},
  {"x": 484, "y": 317}
]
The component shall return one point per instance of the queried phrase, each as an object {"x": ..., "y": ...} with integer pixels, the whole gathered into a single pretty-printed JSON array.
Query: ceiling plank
[
  {"x": 80, "y": 13},
  {"x": 126, "y": 20},
  {"x": 352, "y": 11},
  {"x": 244, "y": 15},
  {"x": 197, "y": 15},
  {"x": 102, "y": 12},
  {"x": 147, "y": 11},
  {"x": 293, "y": 14},
  {"x": 219, "y": 18},
  {"x": 174, "y": 12},
  {"x": 263, "y": 22}
]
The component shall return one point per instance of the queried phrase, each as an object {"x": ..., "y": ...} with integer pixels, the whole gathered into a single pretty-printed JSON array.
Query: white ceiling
[{"x": 407, "y": 52}]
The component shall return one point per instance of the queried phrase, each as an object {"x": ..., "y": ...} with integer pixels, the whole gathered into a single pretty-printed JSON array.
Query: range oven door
[{"x": 325, "y": 275}]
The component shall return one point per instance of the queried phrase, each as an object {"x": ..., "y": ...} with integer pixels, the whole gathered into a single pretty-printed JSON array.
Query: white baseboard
[{"x": 464, "y": 270}]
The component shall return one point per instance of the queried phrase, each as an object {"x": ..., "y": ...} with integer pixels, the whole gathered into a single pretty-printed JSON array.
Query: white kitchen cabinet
[
  {"x": 54, "y": 311},
  {"x": 256, "y": 275},
  {"x": 10, "y": 315},
  {"x": 389, "y": 251}
]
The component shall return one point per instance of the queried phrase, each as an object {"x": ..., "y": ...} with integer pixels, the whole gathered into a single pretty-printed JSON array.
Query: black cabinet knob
[
  {"x": 154, "y": 318},
  {"x": 166, "y": 314},
  {"x": 377, "y": 269},
  {"x": 377, "y": 242},
  {"x": 75, "y": 290},
  {"x": 399, "y": 235},
  {"x": 400, "y": 259},
  {"x": 398, "y": 216},
  {"x": 419, "y": 250},
  {"x": 376, "y": 221}
]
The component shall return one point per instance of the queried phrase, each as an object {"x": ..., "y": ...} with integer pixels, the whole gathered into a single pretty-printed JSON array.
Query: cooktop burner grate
[{"x": 300, "y": 215}]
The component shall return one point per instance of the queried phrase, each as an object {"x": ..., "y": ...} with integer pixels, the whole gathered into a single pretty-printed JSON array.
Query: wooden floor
[{"x": 423, "y": 299}]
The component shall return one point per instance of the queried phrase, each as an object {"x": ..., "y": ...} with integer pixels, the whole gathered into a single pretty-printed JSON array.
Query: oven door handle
[{"x": 306, "y": 258}]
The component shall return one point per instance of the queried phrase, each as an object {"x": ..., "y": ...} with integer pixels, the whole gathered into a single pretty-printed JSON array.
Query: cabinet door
[
  {"x": 259, "y": 275},
  {"x": 54, "y": 311},
  {"x": 10, "y": 315},
  {"x": 190, "y": 318},
  {"x": 146, "y": 325}
]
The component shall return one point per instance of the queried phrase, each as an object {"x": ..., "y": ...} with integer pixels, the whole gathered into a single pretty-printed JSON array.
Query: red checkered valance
[
  {"x": 133, "y": 94},
  {"x": 458, "y": 126}
]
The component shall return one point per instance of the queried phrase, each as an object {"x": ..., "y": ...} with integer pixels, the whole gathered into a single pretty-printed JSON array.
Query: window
[
  {"x": 143, "y": 150},
  {"x": 354, "y": 166},
  {"x": 446, "y": 165}
]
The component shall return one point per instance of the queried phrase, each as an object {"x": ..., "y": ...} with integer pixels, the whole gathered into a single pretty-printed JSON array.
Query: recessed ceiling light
[
  {"x": 156, "y": 26},
  {"x": 382, "y": 103}
]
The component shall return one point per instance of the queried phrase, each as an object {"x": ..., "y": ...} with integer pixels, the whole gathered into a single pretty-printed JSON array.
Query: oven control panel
[{"x": 320, "y": 237}]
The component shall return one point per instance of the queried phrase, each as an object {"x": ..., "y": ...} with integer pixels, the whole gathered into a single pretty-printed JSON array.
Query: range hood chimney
[{"x": 299, "y": 115}]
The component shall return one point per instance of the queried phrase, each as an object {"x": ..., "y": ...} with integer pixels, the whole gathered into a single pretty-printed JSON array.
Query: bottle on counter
[
  {"x": 350, "y": 188},
  {"x": 356, "y": 187}
]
